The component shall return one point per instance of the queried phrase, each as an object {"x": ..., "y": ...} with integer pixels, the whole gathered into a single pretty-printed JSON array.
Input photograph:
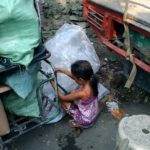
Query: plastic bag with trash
[
  {"x": 114, "y": 109},
  {"x": 70, "y": 44}
]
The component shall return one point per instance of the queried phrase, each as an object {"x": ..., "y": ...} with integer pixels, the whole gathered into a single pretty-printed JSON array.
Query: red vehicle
[{"x": 124, "y": 27}]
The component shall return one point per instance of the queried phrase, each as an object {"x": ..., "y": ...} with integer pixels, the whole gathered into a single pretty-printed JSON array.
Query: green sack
[
  {"x": 19, "y": 30},
  {"x": 22, "y": 107},
  {"x": 23, "y": 100}
]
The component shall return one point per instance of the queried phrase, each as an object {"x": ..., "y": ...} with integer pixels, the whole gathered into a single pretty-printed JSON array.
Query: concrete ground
[{"x": 102, "y": 136}]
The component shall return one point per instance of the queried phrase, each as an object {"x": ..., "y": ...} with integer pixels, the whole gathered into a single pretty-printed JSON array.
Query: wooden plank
[
  {"x": 4, "y": 89},
  {"x": 119, "y": 5}
]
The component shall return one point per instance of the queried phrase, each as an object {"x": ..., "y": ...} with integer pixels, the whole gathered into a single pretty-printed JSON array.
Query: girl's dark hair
[{"x": 83, "y": 69}]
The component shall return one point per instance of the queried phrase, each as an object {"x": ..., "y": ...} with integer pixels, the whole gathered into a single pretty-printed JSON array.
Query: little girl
[{"x": 81, "y": 104}]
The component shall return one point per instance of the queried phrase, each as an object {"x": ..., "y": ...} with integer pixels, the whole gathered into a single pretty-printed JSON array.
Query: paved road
[{"x": 57, "y": 136}]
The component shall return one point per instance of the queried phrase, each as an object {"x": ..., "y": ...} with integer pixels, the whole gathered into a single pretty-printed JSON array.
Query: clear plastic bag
[
  {"x": 69, "y": 44},
  {"x": 112, "y": 105}
]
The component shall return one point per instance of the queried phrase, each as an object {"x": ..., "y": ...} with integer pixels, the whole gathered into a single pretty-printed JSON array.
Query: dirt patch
[{"x": 67, "y": 142}]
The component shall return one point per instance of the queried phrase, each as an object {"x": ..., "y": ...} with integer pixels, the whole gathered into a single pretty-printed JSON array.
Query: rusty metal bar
[
  {"x": 95, "y": 12},
  {"x": 95, "y": 25},
  {"x": 96, "y": 16},
  {"x": 95, "y": 22}
]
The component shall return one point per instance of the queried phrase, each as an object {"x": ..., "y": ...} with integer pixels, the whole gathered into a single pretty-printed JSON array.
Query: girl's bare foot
[{"x": 73, "y": 124}]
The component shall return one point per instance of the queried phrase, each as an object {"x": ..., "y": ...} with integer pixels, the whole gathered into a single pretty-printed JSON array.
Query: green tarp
[
  {"x": 19, "y": 30},
  {"x": 23, "y": 101},
  {"x": 22, "y": 107}
]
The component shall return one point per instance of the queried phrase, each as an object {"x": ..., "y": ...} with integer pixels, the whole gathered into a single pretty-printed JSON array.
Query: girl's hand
[
  {"x": 62, "y": 70},
  {"x": 52, "y": 84}
]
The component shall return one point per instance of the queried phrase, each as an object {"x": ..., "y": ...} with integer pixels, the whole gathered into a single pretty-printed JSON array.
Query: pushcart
[{"x": 20, "y": 125}]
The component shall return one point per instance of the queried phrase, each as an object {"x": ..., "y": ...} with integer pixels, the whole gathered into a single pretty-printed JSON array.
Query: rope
[{"x": 129, "y": 54}]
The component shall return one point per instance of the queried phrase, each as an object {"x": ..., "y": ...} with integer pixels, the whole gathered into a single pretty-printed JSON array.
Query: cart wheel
[
  {"x": 1, "y": 144},
  {"x": 3, "y": 147}
]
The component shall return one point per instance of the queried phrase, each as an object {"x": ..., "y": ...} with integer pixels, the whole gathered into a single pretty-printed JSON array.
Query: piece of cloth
[
  {"x": 85, "y": 112},
  {"x": 22, "y": 81},
  {"x": 28, "y": 107},
  {"x": 22, "y": 101}
]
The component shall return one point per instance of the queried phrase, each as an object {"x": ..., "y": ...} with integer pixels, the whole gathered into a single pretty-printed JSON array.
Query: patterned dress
[{"x": 84, "y": 111}]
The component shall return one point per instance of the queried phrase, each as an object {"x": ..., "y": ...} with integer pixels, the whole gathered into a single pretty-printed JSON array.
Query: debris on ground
[{"x": 113, "y": 108}]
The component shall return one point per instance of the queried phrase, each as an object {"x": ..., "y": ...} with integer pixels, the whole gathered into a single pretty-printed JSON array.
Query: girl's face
[{"x": 79, "y": 80}]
